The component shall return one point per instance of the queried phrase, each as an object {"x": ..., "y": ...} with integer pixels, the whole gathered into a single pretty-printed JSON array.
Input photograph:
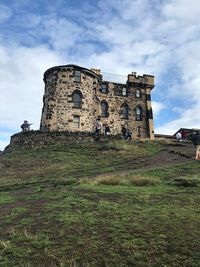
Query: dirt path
[{"x": 172, "y": 155}]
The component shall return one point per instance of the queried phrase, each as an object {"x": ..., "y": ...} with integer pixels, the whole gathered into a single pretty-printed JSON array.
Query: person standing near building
[
  {"x": 196, "y": 143},
  {"x": 128, "y": 134},
  {"x": 124, "y": 132},
  {"x": 183, "y": 135},
  {"x": 179, "y": 136},
  {"x": 107, "y": 129},
  {"x": 26, "y": 126},
  {"x": 98, "y": 125}
]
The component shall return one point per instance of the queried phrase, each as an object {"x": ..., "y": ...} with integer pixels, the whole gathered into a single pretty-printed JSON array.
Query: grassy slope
[{"x": 49, "y": 218}]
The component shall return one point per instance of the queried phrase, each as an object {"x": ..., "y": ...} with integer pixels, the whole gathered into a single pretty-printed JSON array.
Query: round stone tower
[{"x": 69, "y": 98}]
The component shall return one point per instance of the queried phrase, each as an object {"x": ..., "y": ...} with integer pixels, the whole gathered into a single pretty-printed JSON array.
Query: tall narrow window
[
  {"x": 104, "y": 109},
  {"x": 76, "y": 121},
  {"x": 124, "y": 91},
  {"x": 77, "y": 99},
  {"x": 124, "y": 110},
  {"x": 148, "y": 97},
  {"x": 77, "y": 76},
  {"x": 138, "y": 93},
  {"x": 149, "y": 114},
  {"x": 138, "y": 113},
  {"x": 138, "y": 131}
]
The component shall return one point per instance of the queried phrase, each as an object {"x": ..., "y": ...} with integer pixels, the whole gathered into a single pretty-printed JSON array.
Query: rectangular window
[
  {"x": 124, "y": 91},
  {"x": 77, "y": 76},
  {"x": 138, "y": 93},
  {"x": 148, "y": 97},
  {"x": 104, "y": 88},
  {"x": 149, "y": 114},
  {"x": 138, "y": 131},
  {"x": 118, "y": 89},
  {"x": 76, "y": 121}
]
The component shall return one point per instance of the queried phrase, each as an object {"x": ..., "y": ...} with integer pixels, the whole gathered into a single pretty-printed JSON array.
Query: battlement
[{"x": 145, "y": 79}]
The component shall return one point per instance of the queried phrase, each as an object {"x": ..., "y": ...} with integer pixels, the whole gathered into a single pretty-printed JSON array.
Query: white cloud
[
  {"x": 189, "y": 119},
  {"x": 186, "y": 12},
  {"x": 21, "y": 87},
  {"x": 5, "y": 13},
  {"x": 62, "y": 34},
  {"x": 157, "y": 107},
  {"x": 29, "y": 20}
]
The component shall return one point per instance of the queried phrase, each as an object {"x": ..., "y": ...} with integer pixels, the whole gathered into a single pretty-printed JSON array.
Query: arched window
[
  {"x": 104, "y": 109},
  {"x": 77, "y": 99},
  {"x": 138, "y": 113},
  {"x": 124, "y": 111}
]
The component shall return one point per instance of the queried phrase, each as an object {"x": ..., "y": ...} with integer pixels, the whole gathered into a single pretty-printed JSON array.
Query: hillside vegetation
[{"x": 100, "y": 204}]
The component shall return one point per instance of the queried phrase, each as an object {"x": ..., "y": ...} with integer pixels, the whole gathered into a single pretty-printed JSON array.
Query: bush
[
  {"x": 137, "y": 180},
  {"x": 187, "y": 182},
  {"x": 108, "y": 180},
  {"x": 144, "y": 181}
]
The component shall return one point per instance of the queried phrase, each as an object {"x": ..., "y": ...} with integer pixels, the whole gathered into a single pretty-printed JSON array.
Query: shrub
[
  {"x": 187, "y": 181},
  {"x": 108, "y": 180},
  {"x": 144, "y": 181}
]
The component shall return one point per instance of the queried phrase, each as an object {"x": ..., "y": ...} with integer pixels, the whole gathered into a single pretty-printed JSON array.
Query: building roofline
[
  {"x": 71, "y": 66},
  {"x": 187, "y": 129}
]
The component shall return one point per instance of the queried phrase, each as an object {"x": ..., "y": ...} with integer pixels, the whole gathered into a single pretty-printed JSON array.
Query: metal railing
[{"x": 115, "y": 78}]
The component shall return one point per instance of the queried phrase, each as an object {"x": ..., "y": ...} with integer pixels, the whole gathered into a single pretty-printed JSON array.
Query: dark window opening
[
  {"x": 77, "y": 99},
  {"x": 77, "y": 76},
  {"x": 138, "y": 113},
  {"x": 104, "y": 88},
  {"x": 149, "y": 114},
  {"x": 124, "y": 110},
  {"x": 76, "y": 121},
  {"x": 138, "y": 131},
  {"x": 104, "y": 109},
  {"x": 124, "y": 91},
  {"x": 138, "y": 93},
  {"x": 148, "y": 97},
  {"x": 120, "y": 90}
]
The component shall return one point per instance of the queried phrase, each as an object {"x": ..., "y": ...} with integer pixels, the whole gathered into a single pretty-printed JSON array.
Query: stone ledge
[{"x": 39, "y": 139}]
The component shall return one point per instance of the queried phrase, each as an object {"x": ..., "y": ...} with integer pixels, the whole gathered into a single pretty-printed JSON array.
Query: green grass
[
  {"x": 105, "y": 225},
  {"x": 71, "y": 160},
  {"x": 50, "y": 218},
  {"x": 6, "y": 198}
]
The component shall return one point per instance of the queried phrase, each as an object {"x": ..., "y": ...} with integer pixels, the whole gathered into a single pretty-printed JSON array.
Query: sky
[{"x": 156, "y": 37}]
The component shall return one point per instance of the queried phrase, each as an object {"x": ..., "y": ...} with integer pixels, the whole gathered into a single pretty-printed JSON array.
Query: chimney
[{"x": 97, "y": 71}]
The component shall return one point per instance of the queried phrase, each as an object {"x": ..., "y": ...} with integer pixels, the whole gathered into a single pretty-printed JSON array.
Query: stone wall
[
  {"x": 39, "y": 139},
  {"x": 60, "y": 114}
]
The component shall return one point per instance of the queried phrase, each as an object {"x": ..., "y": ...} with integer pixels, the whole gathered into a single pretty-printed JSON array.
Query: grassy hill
[{"x": 105, "y": 204}]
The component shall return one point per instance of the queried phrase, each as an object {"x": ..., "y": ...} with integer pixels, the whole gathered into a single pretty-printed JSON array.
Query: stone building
[{"x": 75, "y": 96}]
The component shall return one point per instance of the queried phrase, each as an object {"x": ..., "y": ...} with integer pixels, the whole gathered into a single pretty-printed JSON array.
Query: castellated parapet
[{"x": 75, "y": 96}]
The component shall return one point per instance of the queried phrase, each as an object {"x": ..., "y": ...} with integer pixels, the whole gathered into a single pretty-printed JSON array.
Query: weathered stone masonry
[{"x": 75, "y": 96}]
